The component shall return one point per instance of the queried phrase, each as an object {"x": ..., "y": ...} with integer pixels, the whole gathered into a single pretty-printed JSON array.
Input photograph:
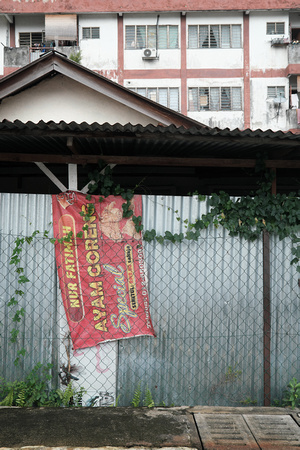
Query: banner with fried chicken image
[{"x": 101, "y": 269}]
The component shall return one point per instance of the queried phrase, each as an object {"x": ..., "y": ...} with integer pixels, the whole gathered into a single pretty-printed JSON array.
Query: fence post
[
  {"x": 267, "y": 318},
  {"x": 267, "y": 306}
]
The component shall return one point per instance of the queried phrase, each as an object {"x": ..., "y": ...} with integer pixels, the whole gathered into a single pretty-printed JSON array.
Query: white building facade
[{"x": 230, "y": 68}]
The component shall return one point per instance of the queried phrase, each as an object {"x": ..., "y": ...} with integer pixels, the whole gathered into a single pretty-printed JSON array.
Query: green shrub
[{"x": 35, "y": 391}]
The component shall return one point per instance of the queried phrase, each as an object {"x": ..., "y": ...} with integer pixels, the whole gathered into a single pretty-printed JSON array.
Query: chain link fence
[{"x": 207, "y": 308}]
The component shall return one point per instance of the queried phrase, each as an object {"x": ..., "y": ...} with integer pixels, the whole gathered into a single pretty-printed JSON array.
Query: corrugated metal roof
[
  {"x": 84, "y": 127},
  {"x": 151, "y": 141},
  {"x": 169, "y": 158}
]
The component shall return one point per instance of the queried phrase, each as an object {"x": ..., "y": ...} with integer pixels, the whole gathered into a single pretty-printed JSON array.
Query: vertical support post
[
  {"x": 267, "y": 307},
  {"x": 267, "y": 318},
  {"x": 73, "y": 181}
]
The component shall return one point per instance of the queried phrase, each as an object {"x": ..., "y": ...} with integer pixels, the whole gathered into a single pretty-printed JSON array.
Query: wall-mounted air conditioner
[{"x": 149, "y": 53}]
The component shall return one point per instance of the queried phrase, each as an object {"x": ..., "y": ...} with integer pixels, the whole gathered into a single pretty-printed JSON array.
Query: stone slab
[{"x": 97, "y": 427}]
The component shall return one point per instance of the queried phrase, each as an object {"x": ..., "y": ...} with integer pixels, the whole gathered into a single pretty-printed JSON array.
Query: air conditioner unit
[{"x": 149, "y": 53}]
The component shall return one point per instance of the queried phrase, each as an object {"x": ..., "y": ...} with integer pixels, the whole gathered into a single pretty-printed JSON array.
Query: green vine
[{"x": 248, "y": 217}]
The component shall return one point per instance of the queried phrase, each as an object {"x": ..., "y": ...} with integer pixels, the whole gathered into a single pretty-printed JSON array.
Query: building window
[
  {"x": 214, "y": 36},
  {"x": 275, "y": 27},
  {"x": 276, "y": 91},
  {"x": 31, "y": 39},
  {"x": 168, "y": 97},
  {"x": 90, "y": 33},
  {"x": 151, "y": 36},
  {"x": 215, "y": 99}
]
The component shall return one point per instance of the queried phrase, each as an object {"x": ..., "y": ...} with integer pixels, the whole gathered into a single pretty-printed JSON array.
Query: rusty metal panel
[
  {"x": 223, "y": 431},
  {"x": 274, "y": 432}
]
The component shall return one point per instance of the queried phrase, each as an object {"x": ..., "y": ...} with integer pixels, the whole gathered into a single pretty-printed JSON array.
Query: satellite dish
[{"x": 277, "y": 100}]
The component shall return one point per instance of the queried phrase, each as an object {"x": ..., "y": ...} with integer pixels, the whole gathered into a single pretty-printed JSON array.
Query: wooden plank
[
  {"x": 220, "y": 431},
  {"x": 274, "y": 432}
]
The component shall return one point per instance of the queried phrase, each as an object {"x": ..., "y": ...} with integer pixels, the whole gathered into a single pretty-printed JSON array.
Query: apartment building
[{"x": 223, "y": 64}]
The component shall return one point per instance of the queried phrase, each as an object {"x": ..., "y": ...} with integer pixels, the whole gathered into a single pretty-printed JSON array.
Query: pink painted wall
[{"x": 63, "y": 6}]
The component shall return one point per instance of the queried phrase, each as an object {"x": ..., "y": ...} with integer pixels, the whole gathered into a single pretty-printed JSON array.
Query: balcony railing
[
  {"x": 20, "y": 56},
  {"x": 280, "y": 42},
  {"x": 36, "y": 52}
]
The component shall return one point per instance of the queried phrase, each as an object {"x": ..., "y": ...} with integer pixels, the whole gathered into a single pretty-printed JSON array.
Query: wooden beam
[
  {"x": 72, "y": 145},
  {"x": 146, "y": 160},
  {"x": 72, "y": 177},
  {"x": 51, "y": 176}
]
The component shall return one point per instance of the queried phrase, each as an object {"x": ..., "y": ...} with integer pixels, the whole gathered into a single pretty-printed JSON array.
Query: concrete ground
[{"x": 157, "y": 428}]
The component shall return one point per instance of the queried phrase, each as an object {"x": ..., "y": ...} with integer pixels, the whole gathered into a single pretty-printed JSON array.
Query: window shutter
[
  {"x": 86, "y": 33},
  {"x": 95, "y": 32},
  {"x": 236, "y": 99},
  {"x": 31, "y": 38},
  {"x": 193, "y": 36},
  {"x": 193, "y": 96},
  {"x": 141, "y": 36},
  {"x": 24, "y": 39},
  {"x": 129, "y": 37},
  {"x": 162, "y": 36},
  {"x": 225, "y": 98},
  {"x": 271, "y": 91},
  {"x": 173, "y": 36},
  {"x": 214, "y": 36},
  {"x": 215, "y": 99},
  {"x": 225, "y": 37},
  {"x": 61, "y": 26},
  {"x": 174, "y": 99},
  {"x": 151, "y": 38},
  {"x": 280, "y": 28},
  {"x": 203, "y": 36},
  {"x": 236, "y": 40},
  {"x": 275, "y": 28},
  {"x": 270, "y": 28}
]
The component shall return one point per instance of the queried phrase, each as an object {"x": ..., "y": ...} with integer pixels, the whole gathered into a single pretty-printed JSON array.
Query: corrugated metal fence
[{"x": 206, "y": 301}]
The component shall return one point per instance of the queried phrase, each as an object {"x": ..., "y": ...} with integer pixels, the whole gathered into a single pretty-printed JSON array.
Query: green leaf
[{"x": 23, "y": 279}]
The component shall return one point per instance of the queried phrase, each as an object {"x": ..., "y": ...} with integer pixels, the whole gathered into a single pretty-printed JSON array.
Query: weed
[
  {"x": 137, "y": 397},
  {"x": 148, "y": 400},
  {"x": 292, "y": 394},
  {"x": 249, "y": 402},
  {"x": 35, "y": 391}
]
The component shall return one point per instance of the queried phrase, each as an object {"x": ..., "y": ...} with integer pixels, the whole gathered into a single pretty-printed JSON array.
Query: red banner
[{"x": 102, "y": 272}]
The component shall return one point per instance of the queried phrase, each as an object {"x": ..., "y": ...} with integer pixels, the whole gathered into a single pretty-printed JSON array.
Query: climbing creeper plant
[{"x": 248, "y": 217}]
